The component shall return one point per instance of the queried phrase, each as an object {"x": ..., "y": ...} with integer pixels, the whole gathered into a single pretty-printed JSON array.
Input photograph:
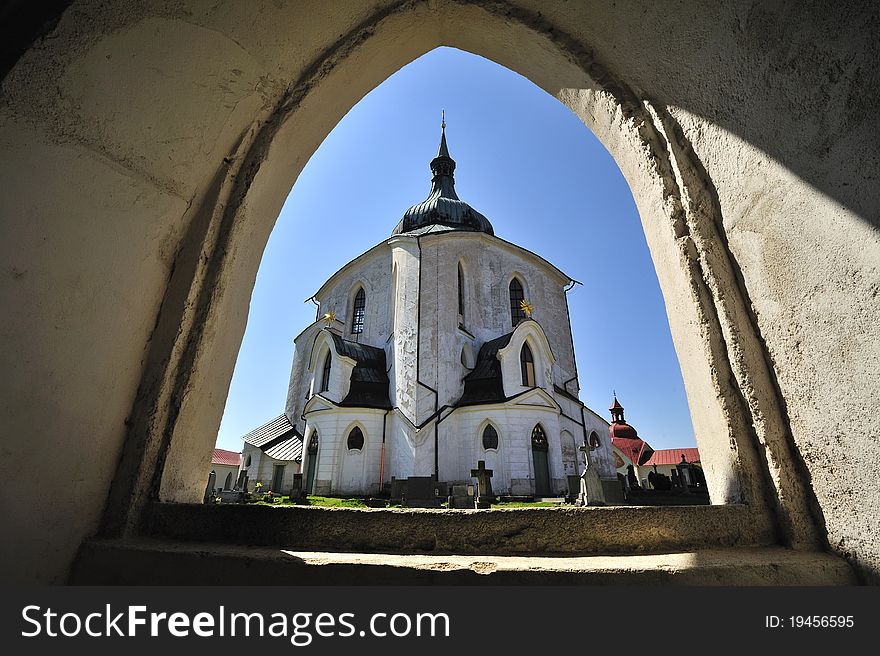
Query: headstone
[
  {"x": 591, "y": 492},
  {"x": 574, "y": 488},
  {"x": 420, "y": 492},
  {"x": 398, "y": 490},
  {"x": 631, "y": 477},
  {"x": 209, "y": 491},
  {"x": 461, "y": 496},
  {"x": 684, "y": 474},
  {"x": 485, "y": 496},
  {"x": 297, "y": 493}
]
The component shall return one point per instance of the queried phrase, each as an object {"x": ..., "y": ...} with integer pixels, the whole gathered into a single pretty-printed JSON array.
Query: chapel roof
[
  {"x": 277, "y": 438},
  {"x": 369, "y": 378},
  {"x": 673, "y": 456},
  {"x": 442, "y": 210},
  {"x": 224, "y": 457},
  {"x": 636, "y": 449},
  {"x": 484, "y": 384}
]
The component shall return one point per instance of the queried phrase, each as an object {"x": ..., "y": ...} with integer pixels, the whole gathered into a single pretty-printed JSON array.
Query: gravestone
[
  {"x": 398, "y": 490},
  {"x": 461, "y": 496},
  {"x": 574, "y": 488},
  {"x": 420, "y": 492},
  {"x": 485, "y": 496},
  {"x": 209, "y": 491},
  {"x": 297, "y": 493},
  {"x": 591, "y": 492}
]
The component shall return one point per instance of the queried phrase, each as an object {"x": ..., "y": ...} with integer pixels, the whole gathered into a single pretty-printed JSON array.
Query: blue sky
[{"x": 524, "y": 161}]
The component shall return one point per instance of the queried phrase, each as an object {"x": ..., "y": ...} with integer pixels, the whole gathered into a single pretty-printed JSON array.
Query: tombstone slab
[{"x": 420, "y": 492}]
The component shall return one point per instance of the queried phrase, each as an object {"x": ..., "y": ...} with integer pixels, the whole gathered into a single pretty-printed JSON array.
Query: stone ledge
[
  {"x": 516, "y": 531},
  {"x": 157, "y": 562}
]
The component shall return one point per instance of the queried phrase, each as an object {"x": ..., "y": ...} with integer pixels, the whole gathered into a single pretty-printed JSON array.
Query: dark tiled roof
[
  {"x": 278, "y": 439},
  {"x": 270, "y": 431},
  {"x": 484, "y": 384},
  {"x": 442, "y": 208},
  {"x": 369, "y": 378},
  {"x": 288, "y": 449}
]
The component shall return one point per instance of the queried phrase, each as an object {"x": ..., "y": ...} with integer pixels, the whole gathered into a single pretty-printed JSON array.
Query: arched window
[
  {"x": 227, "y": 485},
  {"x": 490, "y": 437},
  {"x": 517, "y": 314},
  {"x": 247, "y": 461},
  {"x": 527, "y": 365},
  {"x": 313, "y": 444},
  {"x": 356, "y": 439},
  {"x": 594, "y": 441},
  {"x": 460, "y": 295},
  {"x": 358, "y": 312},
  {"x": 539, "y": 439},
  {"x": 325, "y": 375}
]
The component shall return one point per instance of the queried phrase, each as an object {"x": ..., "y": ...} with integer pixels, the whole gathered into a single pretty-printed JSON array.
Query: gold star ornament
[
  {"x": 526, "y": 307},
  {"x": 330, "y": 317}
]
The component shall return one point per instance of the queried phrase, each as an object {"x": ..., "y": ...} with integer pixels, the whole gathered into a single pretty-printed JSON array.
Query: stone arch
[
  {"x": 495, "y": 458},
  {"x": 192, "y": 351}
]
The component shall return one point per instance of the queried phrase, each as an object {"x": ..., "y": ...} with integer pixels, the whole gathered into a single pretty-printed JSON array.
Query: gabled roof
[
  {"x": 277, "y": 438},
  {"x": 369, "y": 378},
  {"x": 673, "y": 456},
  {"x": 270, "y": 431},
  {"x": 224, "y": 457},
  {"x": 643, "y": 450}
]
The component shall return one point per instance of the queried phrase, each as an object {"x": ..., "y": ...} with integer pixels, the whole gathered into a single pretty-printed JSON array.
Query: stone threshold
[
  {"x": 148, "y": 561},
  {"x": 516, "y": 531}
]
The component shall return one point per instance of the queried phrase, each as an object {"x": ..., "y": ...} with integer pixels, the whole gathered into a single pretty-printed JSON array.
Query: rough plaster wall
[
  {"x": 791, "y": 86},
  {"x": 372, "y": 272},
  {"x": 489, "y": 265}
]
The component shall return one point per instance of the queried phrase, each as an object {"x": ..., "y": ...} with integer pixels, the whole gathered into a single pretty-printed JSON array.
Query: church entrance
[
  {"x": 313, "y": 460},
  {"x": 539, "y": 459}
]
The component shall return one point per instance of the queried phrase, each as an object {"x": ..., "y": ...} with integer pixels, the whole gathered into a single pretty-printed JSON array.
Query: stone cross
[{"x": 485, "y": 496}]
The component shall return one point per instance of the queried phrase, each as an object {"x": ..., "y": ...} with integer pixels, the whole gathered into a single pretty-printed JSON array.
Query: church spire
[
  {"x": 442, "y": 210},
  {"x": 443, "y": 164}
]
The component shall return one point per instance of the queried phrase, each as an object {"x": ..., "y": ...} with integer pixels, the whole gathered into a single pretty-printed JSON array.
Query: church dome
[
  {"x": 623, "y": 430},
  {"x": 442, "y": 210}
]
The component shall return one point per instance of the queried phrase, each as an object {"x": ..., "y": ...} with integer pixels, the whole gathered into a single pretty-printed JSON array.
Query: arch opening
[{"x": 718, "y": 423}]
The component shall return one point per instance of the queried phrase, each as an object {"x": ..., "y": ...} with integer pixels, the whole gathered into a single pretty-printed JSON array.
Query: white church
[{"x": 442, "y": 346}]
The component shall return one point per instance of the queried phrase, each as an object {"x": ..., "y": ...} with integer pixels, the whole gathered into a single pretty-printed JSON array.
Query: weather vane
[
  {"x": 330, "y": 317},
  {"x": 526, "y": 307}
]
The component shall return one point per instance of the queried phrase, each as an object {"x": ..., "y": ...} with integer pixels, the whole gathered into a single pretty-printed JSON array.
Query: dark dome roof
[
  {"x": 442, "y": 210},
  {"x": 622, "y": 429}
]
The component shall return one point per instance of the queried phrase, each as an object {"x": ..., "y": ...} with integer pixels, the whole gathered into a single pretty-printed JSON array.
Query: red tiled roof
[
  {"x": 626, "y": 446},
  {"x": 224, "y": 457},
  {"x": 673, "y": 456}
]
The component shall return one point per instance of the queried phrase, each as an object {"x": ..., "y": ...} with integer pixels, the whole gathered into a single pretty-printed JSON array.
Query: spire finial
[{"x": 442, "y": 119}]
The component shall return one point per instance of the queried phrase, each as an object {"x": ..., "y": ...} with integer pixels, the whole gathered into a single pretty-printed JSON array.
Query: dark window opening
[
  {"x": 517, "y": 297},
  {"x": 358, "y": 312},
  {"x": 490, "y": 437},
  {"x": 325, "y": 376},
  {"x": 527, "y": 365},
  {"x": 539, "y": 439},
  {"x": 356, "y": 439},
  {"x": 460, "y": 295}
]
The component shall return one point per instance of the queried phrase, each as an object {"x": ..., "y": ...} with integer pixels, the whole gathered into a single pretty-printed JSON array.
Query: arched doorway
[
  {"x": 540, "y": 462},
  {"x": 312, "y": 467}
]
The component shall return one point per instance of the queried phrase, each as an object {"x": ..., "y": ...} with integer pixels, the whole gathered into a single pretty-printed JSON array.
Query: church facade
[{"x": 442, "y": 346}]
